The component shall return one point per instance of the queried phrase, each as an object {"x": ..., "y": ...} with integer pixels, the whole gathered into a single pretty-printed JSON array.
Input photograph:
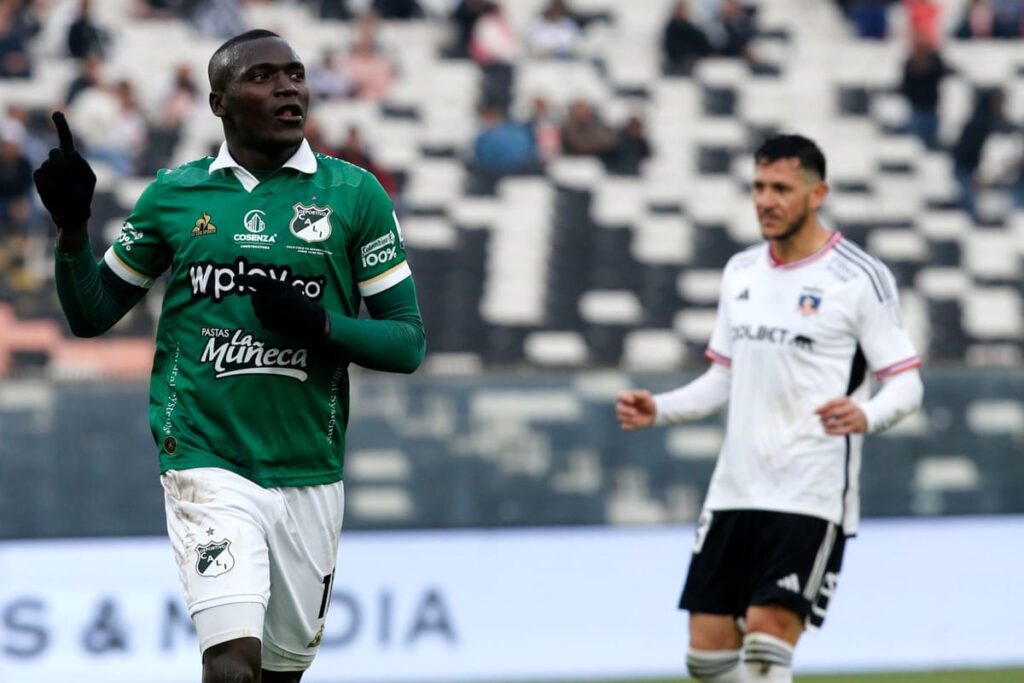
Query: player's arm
[
  {"x": 392, "y": 341},
  {"x": 92, "y": 297},
  {"x": 637, "y": 408},
  {"x": 890, "y": 353}
]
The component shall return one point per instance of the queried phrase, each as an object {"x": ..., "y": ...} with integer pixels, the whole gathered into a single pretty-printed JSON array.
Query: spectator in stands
[
  {"x": 90, "y": 75},
  {"x": 547, "y": 130},
  {"x": 495, "y": 46},
  {"x": 111, "y": 124},
  {"x": 15, "y": 184},
  {"x": 398, "y": 9},
  {"x": 154, "y": 9},
  {"x": 17, "y": 125},
  {"x": 735, "y": 31},
  {"x": 1007, "y": 19},
  {"x": 978, "y": 21},
  {"x": 631, "y": 149},
  {"x": 464, "y": 18},
  {"x": 503, "y": 146},
  {"x": 555, "y": 33},
  {"x": 332, "y": 9},
  {"x": 369, "y": 72},
  {"x": 85, "y": 36},
  {"x": 216, "y": 18},
  {"x": 494, "y": 39},
  {"x": 871, "y": 19},
  {"x": 683, "y": 42},
  {"x": 967, "y": 153},
  {"x": 179, "y": 104},
  {"x": 585, "y": 133},
  {"x": 924, "y": 19},
  {"x": 327, "y": 80},
  {"x": 17, "y": 26},
  {"x": 354, "y": 151},
  {"x": 922, "y": 75}
]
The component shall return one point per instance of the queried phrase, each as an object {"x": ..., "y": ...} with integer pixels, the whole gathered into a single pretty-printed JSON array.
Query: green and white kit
[{"x": 225, "y": 392}]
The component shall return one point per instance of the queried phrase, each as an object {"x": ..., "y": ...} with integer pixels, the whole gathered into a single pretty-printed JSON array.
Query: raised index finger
[{"x": 67, "y": 140}]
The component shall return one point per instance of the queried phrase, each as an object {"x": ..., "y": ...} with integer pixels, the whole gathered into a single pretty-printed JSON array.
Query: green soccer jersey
[{"x": 224, "y": 391}]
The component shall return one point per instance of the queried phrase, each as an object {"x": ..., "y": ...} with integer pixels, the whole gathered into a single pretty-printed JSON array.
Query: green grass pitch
[{"x": 980, "y": 676}]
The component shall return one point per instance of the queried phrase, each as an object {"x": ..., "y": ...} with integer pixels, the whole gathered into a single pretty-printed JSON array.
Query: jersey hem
[
  {"x": 791, "y": 509},
  {"x": 192, "y": 462}
]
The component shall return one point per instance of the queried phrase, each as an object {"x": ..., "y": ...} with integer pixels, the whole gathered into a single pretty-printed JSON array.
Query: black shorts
[{"x": 759, "y": 557}]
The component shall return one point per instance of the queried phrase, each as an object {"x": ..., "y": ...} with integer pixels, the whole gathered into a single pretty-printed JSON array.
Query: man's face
[
  {"x": 267, "y": 98},
  {"x": 784, "y": 197}
]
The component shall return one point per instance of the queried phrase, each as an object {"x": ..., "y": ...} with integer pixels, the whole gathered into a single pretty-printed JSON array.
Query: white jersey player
[{"x": 802, "y": 318}]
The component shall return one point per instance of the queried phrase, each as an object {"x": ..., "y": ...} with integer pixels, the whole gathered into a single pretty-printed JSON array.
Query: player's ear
[
  {"x": 818, "y": 194},
  {"x": 217, "y": 104}
]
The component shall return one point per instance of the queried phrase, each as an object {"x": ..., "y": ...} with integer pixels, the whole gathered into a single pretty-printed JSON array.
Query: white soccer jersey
[{"x": 796, "y": 335}]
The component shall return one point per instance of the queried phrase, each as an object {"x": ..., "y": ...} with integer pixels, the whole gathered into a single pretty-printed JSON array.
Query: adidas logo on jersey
[
  {"x": 744, "y": 295},
  {"x": 790, "y": 583}
]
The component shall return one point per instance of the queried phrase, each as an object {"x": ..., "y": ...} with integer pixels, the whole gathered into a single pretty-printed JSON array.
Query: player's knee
[
  {"x": 236, "y": 661},
  {"x": 713, "y": 666},
  {"x": 774, "y": 620}
]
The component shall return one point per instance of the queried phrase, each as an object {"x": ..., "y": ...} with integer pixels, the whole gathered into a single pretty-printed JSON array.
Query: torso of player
[
  {"x": 225, "y": 391},
  {"x": 792, "y": 339}
]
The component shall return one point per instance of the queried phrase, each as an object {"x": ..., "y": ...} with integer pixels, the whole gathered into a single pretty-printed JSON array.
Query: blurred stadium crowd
[
  {"x": 571, "y": 173},
  {"x": 571, "y": 178}
]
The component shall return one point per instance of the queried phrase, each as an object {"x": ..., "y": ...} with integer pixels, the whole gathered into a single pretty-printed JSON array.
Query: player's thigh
[
  {"x": 717, "y": 582},
  {"x": 796, "y": 559},
  {"x": 303, "y": 552},
  {"x": 216, "y": 528}
]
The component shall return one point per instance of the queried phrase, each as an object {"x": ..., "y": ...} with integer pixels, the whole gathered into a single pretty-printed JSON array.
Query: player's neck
[
  {"x": 256, "y": 160},
  {"x": 811, "y": 237}
]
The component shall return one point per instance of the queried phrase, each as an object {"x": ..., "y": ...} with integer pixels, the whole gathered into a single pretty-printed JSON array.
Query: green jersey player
[{"x": 270, "y": 249}]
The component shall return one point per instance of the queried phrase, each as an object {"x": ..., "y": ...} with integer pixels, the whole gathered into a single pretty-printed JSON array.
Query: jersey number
[{"x": 325, "y": 601}]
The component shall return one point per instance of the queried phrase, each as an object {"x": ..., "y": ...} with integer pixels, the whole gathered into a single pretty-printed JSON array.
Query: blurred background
[{"x": 570, "y": 178}]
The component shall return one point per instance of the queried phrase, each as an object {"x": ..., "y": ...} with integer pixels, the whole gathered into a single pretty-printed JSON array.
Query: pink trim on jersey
[
  {"x": 716, "y": 357},
  {"x": 897, "y": 368},
  {"x": 774, "y": 261}
]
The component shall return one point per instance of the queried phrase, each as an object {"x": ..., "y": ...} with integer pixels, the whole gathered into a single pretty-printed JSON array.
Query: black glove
[
  {"x": 284, "y": 309},
  {"x": 65, "y": 182}
]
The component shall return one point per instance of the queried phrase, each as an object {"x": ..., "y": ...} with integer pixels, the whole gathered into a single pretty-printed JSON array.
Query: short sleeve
[
  {"x": 140, "y": 254},
  {"x": 720, "y": 346},
  {"x": 379, "y": 255},
  {"x": 881, "y": 334}
]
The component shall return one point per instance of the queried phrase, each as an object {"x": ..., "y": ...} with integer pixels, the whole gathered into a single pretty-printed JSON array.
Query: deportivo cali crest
[
  {"x": 214, "y": 559},
  {"x": 311, "y": 223}
]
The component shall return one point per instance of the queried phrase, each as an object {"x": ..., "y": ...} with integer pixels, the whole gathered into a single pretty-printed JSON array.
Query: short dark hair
[
  {"x": 219, "y": 68},
  {"x": 792, "y": 147}
]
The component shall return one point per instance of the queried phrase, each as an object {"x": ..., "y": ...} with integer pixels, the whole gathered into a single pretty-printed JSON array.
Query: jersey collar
[
  {"x": 303, "y": 161},
  {"x": 774, "y": 262}
]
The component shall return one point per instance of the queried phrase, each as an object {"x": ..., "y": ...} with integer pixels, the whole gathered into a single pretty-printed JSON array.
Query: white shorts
[{"x": 236, "y": 542}]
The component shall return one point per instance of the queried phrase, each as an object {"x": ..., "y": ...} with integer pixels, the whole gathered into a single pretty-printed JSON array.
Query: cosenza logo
[
  {"x": 381, "y": 250},
  {"x": 243, "y": 355},
  {"x": 217, "y": 280}
]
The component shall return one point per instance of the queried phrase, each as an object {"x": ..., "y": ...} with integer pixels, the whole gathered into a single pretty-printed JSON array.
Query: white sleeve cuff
[
  {"x": 899, "y": 396},
  {"x": 701, "y": 397}
]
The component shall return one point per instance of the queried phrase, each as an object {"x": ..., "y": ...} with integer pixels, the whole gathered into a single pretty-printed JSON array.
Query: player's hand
[
  {"x": 65, "y": 182},
  {"x": 635, "y": 409},
  {"x": 282, "y": 308},
  {"x": 841, "y": 416}
]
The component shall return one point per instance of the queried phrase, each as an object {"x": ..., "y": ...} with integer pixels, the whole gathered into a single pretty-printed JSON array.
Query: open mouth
[{"x": 288, "y": 112}]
